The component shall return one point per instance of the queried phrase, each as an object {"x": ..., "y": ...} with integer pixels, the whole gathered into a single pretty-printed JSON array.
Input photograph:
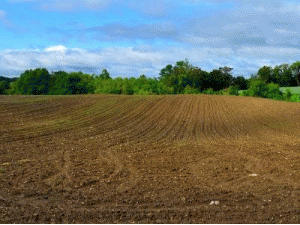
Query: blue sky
[{"x": 135, "y": 37}]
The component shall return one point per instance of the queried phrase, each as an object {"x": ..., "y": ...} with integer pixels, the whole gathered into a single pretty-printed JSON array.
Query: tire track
[
  {"x": 134, "y": 176},
  {"x": 64, "y": 177}
]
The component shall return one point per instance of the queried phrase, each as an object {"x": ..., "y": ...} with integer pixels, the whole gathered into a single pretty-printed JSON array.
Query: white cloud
[
  {"x": 57, "y": 48},
  {"x": 132, "y": 62}
]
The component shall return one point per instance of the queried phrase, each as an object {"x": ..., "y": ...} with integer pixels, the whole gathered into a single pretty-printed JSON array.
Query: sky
[{"x": 134, "y": 37}]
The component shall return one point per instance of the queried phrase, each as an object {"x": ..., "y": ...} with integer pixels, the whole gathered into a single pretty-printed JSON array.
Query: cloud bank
[{"x": 133, "y": 62}]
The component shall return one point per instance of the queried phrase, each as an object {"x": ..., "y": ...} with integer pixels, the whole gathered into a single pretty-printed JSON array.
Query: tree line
[{"x": 180, "y": 78}]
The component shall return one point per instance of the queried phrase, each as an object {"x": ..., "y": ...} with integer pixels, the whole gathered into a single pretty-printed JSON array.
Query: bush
[
  {"x": 232, "y": 90},
  {"x": 221, "y": 92},
  {"x": 142, "y": 92},
  {"x": 127, "y": 89},
  {"x": 288, "y": 94},
  {"x": 258, "y": 88},
  {"x": 295, "y": 98},
  {"x": 244, "y": 93},
  {"x": 190, "y": 90},
  {"x": 209, "y": 91},
  {"x": 108, "y": 86},
  {"x": 274, "y": 92}
]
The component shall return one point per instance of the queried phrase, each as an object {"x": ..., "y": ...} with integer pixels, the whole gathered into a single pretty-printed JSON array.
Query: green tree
[
  {"x": 127, "y": 87},
  {"x": 34, "y": 82},
  {"x": 76, "y": 85},
  {"x": 63, "y": 83},
  {"x": 295, "y": 67},
  {"x": 166, "y": 72},
  {"x": 283, "y": 75},
  {"x": 108, "y": 86},
  {"x": 257, "y": 89},
  {"x": 86, "y": 84},
  {"x": 265, "y": 74},
  {"x": 200, "y": 79},
  {"x": 286, "y": 79},
  {"x": 8, "y": 79},
  {"x": 240, "y": 82},
  {"x": 59, "y": 83},
  {"x": 274, "y": 92},
  {"x": 105, "y": 74},
  {"x": 177, "y": 77},
  {"x": 4, "y": 85},
  {"x": 221, "y": 78}
]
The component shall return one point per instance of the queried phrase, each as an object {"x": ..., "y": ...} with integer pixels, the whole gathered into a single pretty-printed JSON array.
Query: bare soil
[{"x": 149, "y": 159}]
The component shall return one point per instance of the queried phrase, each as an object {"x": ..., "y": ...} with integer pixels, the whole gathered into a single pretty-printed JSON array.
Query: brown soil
[{"x": 149, "y": 159}]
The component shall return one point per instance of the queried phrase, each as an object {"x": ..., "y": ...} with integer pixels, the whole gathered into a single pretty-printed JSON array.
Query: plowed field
[{"x": 149, "y": 159}]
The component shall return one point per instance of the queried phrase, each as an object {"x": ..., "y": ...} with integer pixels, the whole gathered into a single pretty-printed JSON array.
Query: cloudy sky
[{"x": 134, "y": 37}]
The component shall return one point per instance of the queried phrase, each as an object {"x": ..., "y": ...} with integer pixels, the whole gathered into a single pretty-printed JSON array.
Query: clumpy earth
[{"x": 149, "y": 159}]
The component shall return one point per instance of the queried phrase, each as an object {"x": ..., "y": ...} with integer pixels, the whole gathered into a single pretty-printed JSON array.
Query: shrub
[
  {"x": 274, "y": 92},
  {"x": 190, "y": 90},
  {"x": 244, "y": 93},
  {"x": 127, "y": 89},
  {"x": 258, "y": 88},
  {"x": 142, "y": 92},
  {"x": 232, "y": 90},
  {"x": 288, "y": 94},
  {"x": 295, "y": 98},
  {"x": 209, "y": 91},
  {"x": 221, "y": 92}
]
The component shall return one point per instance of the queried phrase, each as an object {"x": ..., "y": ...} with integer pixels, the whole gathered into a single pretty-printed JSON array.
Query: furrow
[
  {"x": 137, "y": 129},
  {"x": 160, "y": 123},
  {"x": 168, "y": 133},
  {"x": 184, "y": 119}
]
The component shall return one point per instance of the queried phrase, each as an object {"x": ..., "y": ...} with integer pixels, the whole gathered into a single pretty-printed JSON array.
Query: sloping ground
[{"x": 149, "y": 159}]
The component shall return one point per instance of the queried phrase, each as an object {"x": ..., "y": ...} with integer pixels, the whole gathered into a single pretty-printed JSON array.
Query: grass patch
[{"x": 294, "y": 90}]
